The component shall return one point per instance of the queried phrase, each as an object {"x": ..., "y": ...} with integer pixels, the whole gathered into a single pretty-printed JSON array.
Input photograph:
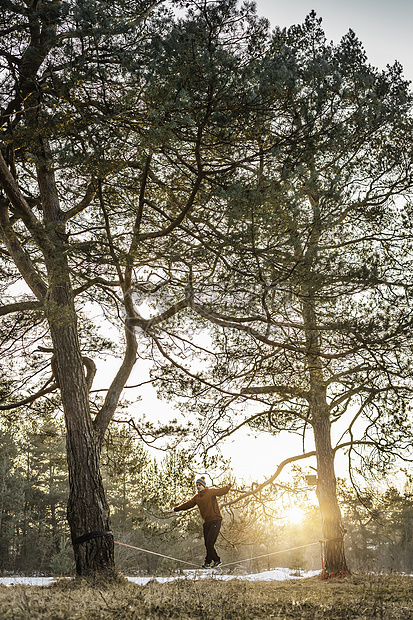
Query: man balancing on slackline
[{"x": 206, "y": 500}]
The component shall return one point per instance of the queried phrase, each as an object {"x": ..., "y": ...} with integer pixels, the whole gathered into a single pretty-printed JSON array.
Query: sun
[{"x": 294, "y": 514}]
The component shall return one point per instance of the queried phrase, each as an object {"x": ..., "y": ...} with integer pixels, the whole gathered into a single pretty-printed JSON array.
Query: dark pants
[{"x": 211, "y": 531}]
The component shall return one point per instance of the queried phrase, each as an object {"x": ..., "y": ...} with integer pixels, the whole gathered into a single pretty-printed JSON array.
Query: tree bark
[
  {"x": 333, "y": 531},
  {"x": 87, "y": 508},
  {"x": 319, "y": 411}
]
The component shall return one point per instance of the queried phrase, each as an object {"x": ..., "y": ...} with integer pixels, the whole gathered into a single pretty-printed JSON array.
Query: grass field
[{"x": 361, "y": 597}]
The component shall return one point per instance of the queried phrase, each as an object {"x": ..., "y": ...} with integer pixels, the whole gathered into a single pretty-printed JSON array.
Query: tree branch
[
  {"x": 20, "y": 307},
  {"x": 291, "y": 459},
  {"x": 180, "y": 218},
  {"x": 234, "y": 323},
  {"x": 22, "y": 207},
  {"x": 84, "y": 203},
  {"x": 273, "y": 389},
  {"x": 147, "y": 324},
  {"x": 105, "y": 414},
  {"x": 20, "y": 256},
  {"x": 93, "y": 282},
  {"x": 350, "y": 444},
  {"x": 44, "y": 390}
]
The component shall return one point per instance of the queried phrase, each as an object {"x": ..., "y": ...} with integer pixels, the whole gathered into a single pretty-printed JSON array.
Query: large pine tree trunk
[
  {"x": 319, "y": 415},
  {"x": 88, "y": 510},
  {"x": 333, "y": 532}
]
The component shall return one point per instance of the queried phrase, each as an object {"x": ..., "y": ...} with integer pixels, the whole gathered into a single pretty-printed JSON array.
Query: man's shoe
[
  {"x": 206, "y": 565},
  {"x": 216, "y": 564}
]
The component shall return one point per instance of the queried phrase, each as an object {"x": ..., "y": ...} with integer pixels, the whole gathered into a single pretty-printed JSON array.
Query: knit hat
[{"x": 201, "y": 480}]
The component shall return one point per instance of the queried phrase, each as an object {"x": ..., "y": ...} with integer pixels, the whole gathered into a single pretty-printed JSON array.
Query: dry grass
[{"x": 361, "y": 597}]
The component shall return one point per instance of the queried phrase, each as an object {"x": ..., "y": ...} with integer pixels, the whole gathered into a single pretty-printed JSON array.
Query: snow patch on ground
[
  {"x": 26, "y": 581},
  {"x": 277, "y": 574}
]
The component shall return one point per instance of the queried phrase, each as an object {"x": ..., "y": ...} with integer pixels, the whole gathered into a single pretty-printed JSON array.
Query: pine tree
[
  {"x": 309, "y": 284},
  {"x": 95, "y": 120}
]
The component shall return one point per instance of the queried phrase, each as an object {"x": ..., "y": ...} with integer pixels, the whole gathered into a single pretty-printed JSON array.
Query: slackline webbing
[
  {"x": 222, "y": 565},
  {"x": 266, "y": 555},
  {"x": 153, "y": 553}
]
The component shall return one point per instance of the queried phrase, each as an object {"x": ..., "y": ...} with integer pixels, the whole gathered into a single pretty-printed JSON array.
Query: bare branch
[
  {"x": 20, "y": 307},
  {"x": 180, "y": 218},
  {"x": 274, "y": 389},
  {"x": 20, "y": 256},
  {"x": 105, "y": 414},
  {"x": 236, "y": 323},
  {"x": 93, "y": 282},
  {"x": 23, "y": 209},
  {"x": 42, "y": 392},
  {"x": 84, "y": 203},
  {"x": 291, "y": 459},
  {"x": 147, "y": 324},
  {"x": 351, "y": 444}
]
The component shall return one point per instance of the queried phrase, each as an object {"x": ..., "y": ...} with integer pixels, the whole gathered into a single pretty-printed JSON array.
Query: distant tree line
[{"x": 34, "y": 536}]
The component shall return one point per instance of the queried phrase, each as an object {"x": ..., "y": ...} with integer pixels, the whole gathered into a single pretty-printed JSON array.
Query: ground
[{"x": 358, "y": 597}]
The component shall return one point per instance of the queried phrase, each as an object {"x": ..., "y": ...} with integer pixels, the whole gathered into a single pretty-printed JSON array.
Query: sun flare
[{"x": 294, "y": 514}]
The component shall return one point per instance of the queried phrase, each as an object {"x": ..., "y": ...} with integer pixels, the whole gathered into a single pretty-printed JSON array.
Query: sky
[{"x": 383, "y": 26}]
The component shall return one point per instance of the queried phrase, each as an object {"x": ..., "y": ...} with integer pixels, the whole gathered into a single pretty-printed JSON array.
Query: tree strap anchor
[{"x": 81, "y": 539}]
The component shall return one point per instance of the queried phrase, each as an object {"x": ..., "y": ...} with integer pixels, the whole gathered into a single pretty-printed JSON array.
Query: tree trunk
[
  {"x": 319, "y": 412},
  {"x": 319, "y": 415},
  {"x": 88, "y": 510},
  {"x": 333, "y": 531}
]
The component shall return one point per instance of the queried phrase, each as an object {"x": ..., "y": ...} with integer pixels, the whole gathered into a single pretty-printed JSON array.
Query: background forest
[{"x": 34, "y": 536}]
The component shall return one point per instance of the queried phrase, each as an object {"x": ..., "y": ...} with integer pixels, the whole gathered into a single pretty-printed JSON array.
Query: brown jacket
[{"x": 207, "y": 503}]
